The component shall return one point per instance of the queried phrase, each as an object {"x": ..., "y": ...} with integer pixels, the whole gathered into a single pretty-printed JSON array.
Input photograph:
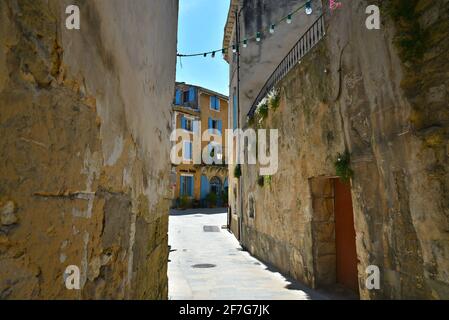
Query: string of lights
[{"x": 258, "y": 36}]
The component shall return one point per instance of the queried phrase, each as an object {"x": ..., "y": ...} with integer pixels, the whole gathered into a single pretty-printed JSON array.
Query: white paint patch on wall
[{"x": 116, "y": 151}]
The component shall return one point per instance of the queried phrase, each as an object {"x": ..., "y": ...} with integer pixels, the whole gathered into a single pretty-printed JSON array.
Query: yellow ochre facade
[{"x": 196, "y": 109}]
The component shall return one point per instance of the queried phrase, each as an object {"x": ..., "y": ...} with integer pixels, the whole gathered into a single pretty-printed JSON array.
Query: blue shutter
[
  {"x": 220, "y": 127},
  {"x": 182, "y": 190},
  {"x": 210, "y": 123},
  {"x": 192, "y": 94},
  {"x": 205, "y": 188},
  {"x": 211, "y": 103},
  {"x": 190, "y": 186},
  {"x": 188, "y": 150},
  {"x": 178, "y": 97},
  {"x": 183, "y": 122},
  {"x": 217, "y": 103}
]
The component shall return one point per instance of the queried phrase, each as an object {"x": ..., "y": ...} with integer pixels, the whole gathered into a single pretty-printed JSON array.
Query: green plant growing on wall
[
  {"x": 274, "y": 98},
  {"x": 343, "y": 166},
  {"x": 251, "y": 121},
  {"x": 260, "y": 181},
  {"x": 238, "y": 171},
  {"x": 267, "y": 180},
  {"x": 262, "y": 110}
]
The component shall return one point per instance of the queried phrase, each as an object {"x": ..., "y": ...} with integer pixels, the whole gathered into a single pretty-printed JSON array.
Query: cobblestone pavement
[{"x": 208, "y": 263}]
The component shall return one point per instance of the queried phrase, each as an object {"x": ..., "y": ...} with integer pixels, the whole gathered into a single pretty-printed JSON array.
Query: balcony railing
[{"x": 309, "y": 39}]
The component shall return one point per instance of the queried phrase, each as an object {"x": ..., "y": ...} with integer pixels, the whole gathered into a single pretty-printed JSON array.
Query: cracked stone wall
[
  {"x": 383, "y": 96},
  {"x": 84, "y": 126}
]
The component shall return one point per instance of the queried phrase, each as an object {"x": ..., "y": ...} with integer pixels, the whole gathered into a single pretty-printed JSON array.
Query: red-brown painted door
[{"x": 345, "y": 236}]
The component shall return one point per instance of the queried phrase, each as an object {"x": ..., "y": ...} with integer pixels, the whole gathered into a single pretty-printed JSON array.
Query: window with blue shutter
[
  {"x": 182, "y": 186},
  {"x": 188, "y": 151},
  {"x": 186, "y": 124},
  {"x": 205, "y": 188},
  {"x": 186, "y": 186},
  {"x": 192, "y": 97},
  {"x": 178, "y": 97},
  {"x": 183, "y": 122},
  {"x": 220, "y": 127},
  {"x": 190, "y": 186},
  {"x": 215, "y": 103},
  {"x": 216, "y": 125}
]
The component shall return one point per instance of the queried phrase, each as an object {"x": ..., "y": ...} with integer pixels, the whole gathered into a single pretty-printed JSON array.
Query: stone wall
[
  {"x": 385, "y": 100},
  {"x": 85, "y": 124},
  {"x": 258, "y": 60}
]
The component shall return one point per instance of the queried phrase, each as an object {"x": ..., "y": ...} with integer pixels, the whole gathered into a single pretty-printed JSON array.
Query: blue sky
[{"x": 201, "y": 25}]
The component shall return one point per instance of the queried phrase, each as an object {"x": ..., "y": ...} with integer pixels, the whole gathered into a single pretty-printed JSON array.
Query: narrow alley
[{"x": 207, "y": 263}]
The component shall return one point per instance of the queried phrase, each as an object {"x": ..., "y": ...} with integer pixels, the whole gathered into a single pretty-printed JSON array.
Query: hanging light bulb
[
  {"x": 258, "y": 37},
  {"x": 272, "y": 28},
  {"x": 289, "y": 18},
  {"x": 223, "y": 51},
  {"x": 309, "y": 9},
  {"x": 245, "y": 43},
  {"x": 205, "y": 55},
  {"x": 234, "y": 48},
  {"x": 213, "y": 54}
]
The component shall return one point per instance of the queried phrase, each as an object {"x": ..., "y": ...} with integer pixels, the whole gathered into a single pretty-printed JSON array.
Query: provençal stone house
[
  {"x": 363, "y": 126},
  {"x": 197, "y": 110},
  {"x": 84, "y": 175}
]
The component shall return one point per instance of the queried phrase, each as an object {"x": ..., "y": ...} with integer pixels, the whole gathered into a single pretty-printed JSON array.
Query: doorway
[
  {"x": 346, "y": 254},
  {"x": 333, "y": 236}
]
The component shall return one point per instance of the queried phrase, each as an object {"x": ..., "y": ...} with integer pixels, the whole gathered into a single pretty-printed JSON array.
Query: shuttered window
[
  {"x": 216, "y": 125},
  {"x": 215, "y": 103},
  {"x": 186, "y": 124},
  {"x": 186, "y": 186},
  {"x": 178, "y": 97},
  {"x": 187, "y": 150}
]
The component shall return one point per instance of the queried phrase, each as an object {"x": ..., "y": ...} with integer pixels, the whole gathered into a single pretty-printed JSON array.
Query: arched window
[{"x": 215, "y": 185}]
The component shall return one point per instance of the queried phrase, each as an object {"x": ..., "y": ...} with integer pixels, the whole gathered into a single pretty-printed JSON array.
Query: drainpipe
[{"x": 237, "y": 20}]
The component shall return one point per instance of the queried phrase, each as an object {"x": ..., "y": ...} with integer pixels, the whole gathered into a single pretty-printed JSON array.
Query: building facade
[
  {"x": 256, "y": 61},
  {"x": 197, "y": 112},
  {"x": 363, "y": 138}
]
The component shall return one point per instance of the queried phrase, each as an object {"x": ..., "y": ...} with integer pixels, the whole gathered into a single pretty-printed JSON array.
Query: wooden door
[{"x": 345, "y": 236}]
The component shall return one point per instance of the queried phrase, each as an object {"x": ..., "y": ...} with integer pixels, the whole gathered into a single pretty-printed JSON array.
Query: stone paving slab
[{"x": 236, "y": 275}]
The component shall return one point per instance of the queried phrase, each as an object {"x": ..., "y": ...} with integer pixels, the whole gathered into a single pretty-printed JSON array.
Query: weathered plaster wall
[
  {"x": 259, "y": 59},
  {"x": 281, "y": 232},
  {"x": 391, "y": 112},
  {"x": 85, "y": 125}
]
